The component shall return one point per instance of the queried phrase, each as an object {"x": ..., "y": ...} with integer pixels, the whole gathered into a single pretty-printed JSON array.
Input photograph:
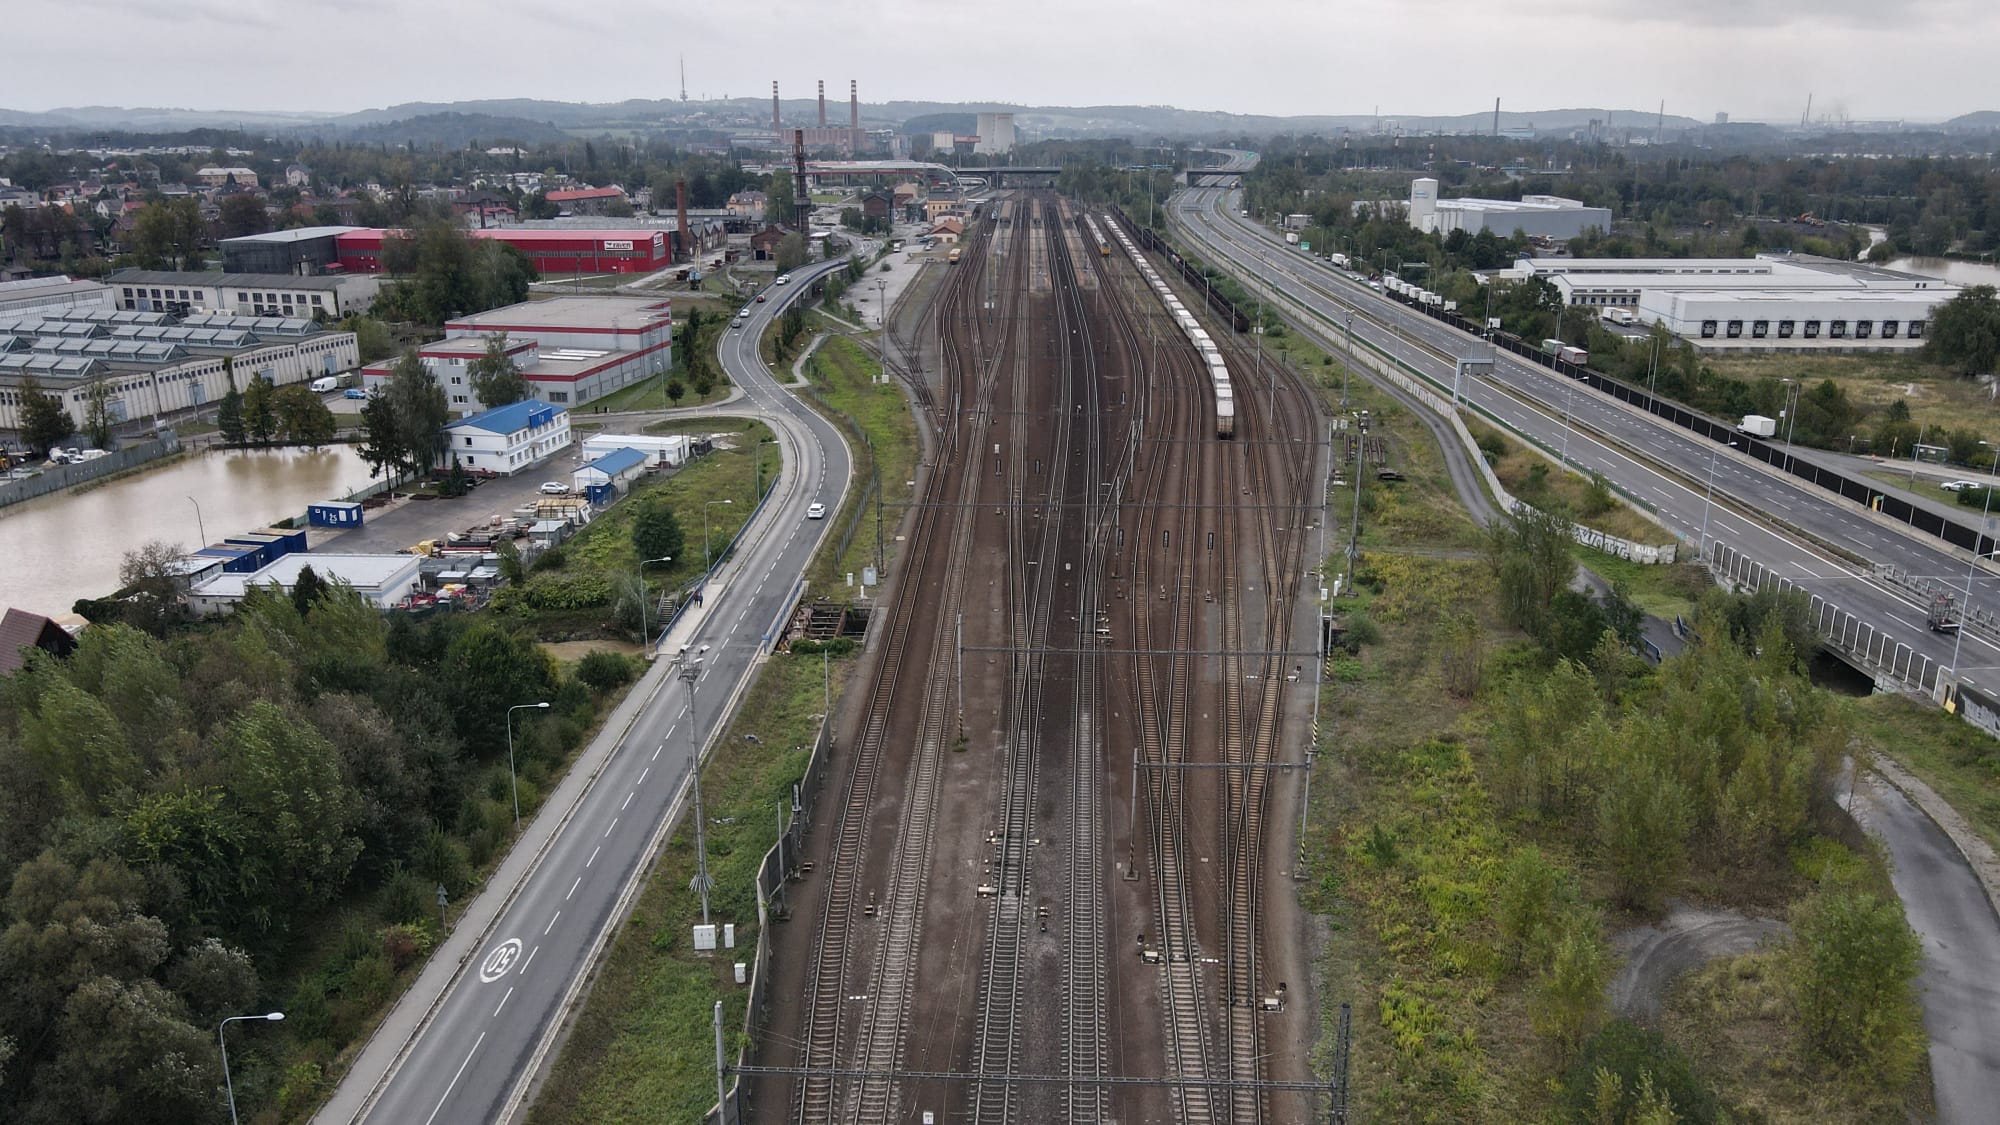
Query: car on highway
[
  {"x": 760, "y": 298},
  {"x": 1958, "y": 485},
  {"x": 784, "y": 279},
  {"x": 354, "y": 392},
  {"x": 554, "y": 488},
  {"x": 816, "y": 511}
]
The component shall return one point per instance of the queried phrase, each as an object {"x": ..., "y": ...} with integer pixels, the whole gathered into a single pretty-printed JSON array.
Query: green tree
[
  {"x": 656, "y": 531},
  {"x": 1567, "y": 1003},
  {"x": 302, "y": 417},
  {"x": 260, "y": 416},
  {"x": 229, "y": 416},
  {"x": 493, "y": 670},
  {"x": 294, "y": 813},
  {"x": 97, "y": 414},
  {"x": 1851, "y": 971},
  {"x": 169, "y": 235},
  {"x": 242, "y": 214},
  {"x": 676, "y": 390},
  {"x": 779, "y": 200},
  {"x": 1530, "y": 552},
  {"x": 1643, "y": 820},
  {"x": 420, "y": 410},
  {"x": 1532, "y": 898},
  {"x": 382, "y": 438},
  {"x": 1964, "y": 332},
  {"x": 791, "y": 252},
  {"x": 44, "y": 422},
  {"x": 148, "y": 578},
  {"x": 495, "y": 377},
  {"x": 306, "y": 590},
  {"x": 371, "y": 337}
]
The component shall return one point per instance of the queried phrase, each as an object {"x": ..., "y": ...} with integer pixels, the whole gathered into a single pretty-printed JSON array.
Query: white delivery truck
[
  {"x": 1756, "y": 425},
  {"x": 325, "y": 383}
]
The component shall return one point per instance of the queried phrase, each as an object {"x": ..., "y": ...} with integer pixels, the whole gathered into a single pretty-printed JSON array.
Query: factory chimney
[
  {"x": 802, "y": 198},
  {"x": 822, "y": 103},
  {"x": 854, "y": 114},
  {"x": 1496, "y": 117},
  {"x": 777, "y": 120},
  {"x": 681, "y": 214}
]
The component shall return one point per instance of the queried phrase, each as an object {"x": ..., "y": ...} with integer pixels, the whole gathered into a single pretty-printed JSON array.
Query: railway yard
[{"x": 1049, "y": 878}]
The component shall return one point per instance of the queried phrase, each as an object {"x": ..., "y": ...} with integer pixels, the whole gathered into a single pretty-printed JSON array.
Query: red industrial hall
[{"x": 551, "y": 251}]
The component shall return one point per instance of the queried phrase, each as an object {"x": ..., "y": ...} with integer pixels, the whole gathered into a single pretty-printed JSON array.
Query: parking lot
[{"x": 408, "y": 522}]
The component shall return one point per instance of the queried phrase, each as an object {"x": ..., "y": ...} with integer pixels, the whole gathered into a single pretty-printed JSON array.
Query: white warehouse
[{"x": 1547, "y": 216}]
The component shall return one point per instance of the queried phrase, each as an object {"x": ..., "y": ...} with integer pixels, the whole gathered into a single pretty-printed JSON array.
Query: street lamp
[
  {"x": 645, "y": 631},
  {"x": 1710, "y": 502},
  {"x": 222, "y": 1042},
  {"x": 691, "y": 672},
  {"x": 1973, "y": 563},
  {"x": 1793, "y": 390},
  {"x": 199, "y": 529},
  {"x": 513, "y": 780},
  {"x": 706, "y": 565}
]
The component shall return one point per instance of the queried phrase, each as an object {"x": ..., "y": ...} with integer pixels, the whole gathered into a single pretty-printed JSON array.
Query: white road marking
[
  {"x": 551, "y": 925},
  {"x": 643, "y": 776},
  {"x": 623, "y": 807},
  {"x": 614, "y": 824},
  {"x": 573, "y": 887},
  {"x": 593, "y": 855},
  {"x": 454, "y": 1078},
  {"x": 504, "y": 999},
  {"x": 530, "y": 960}
]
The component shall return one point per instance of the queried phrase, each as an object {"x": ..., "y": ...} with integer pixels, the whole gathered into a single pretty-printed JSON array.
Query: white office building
[
  {"x": 509, "y": 439},
  {"x": 243, "y": 294},
  {"x": 381, "y": 580},
  {"x": 1545, "y": 216}
]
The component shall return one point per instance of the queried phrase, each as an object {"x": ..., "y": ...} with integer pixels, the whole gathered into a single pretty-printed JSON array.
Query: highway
[
  {"x": 1664, "y": 467},
  {"x": 466, "y": 1043}
]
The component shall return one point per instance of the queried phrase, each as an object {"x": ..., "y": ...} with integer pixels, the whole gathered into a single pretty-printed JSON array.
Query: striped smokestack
[
  {"x": 777, "y": 119},
  {"x": 822, "y": 103},
  {"x": 854, "y": 115}
]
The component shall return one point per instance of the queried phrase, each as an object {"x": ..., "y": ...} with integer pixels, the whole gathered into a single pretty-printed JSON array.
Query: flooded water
[
  {"x": 1950, "y": 269},
  {"x": 55, "y": 549}
]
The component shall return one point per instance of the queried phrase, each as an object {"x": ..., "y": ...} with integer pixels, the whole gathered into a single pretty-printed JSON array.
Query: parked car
[
  {"x": 816, "y": 511},
  {"x": 354, "y": 392},
  {"x": 554, "y": 488}
]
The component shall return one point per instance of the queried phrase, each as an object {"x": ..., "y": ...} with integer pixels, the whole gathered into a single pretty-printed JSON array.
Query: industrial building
[
  {"x": 381, "y": 580},
  {"x": 32, "y": 294},
  {"x": 1772, "y": 302},
  {"x": 551, "y": 250},
  {"x": 242, "y": 294},
  {"x": 1545, "y": 216},
  {"x": 660, "y": 449},
  {"x": 302, "y": 250},
  {"x": 847, "y": 141},
  {"x": 996, "y": 134},
  {"x": 571, "y": 350},
  {"x": 509, "y": 439},
  {"x": 155, "y": 365},
  {"x": 608, "y": 476}
]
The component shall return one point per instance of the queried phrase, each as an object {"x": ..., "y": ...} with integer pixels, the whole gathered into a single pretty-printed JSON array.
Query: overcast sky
[{"x": 1754, "y": 59}]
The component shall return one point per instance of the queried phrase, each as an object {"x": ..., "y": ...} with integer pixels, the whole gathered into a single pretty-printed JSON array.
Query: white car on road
[
  {"x": 554, "y": 488},
  {"x": 816, "y": 511}
]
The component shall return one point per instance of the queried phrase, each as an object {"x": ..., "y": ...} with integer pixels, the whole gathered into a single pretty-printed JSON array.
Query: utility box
[
  {"x": 729, "y": 935},
  {"x": 704, "y": 939},
  {"x": 742, "y": 973}
]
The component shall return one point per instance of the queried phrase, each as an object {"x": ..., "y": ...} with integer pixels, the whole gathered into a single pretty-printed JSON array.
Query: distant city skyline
[{"x": 1756, "y": 60}]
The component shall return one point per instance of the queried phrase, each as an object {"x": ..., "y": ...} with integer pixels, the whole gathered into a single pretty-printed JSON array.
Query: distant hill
[
  {"x": 1982, "y": 121},
  {"x": 448, "y": 130},
  {"x": 155, "y": 119}
]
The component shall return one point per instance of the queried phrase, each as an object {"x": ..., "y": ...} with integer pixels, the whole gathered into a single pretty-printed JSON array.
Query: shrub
[
  {"x": 559, "y": 592},
  {"x": 1851, "y": 969},
  {"x": 404, "y": 897},
  {"x": 605, "y": 671},
  {"x": 1631, "y": 1054},
  {"x": 551, "y": 559},
  {"x": 403, "y": 945}
]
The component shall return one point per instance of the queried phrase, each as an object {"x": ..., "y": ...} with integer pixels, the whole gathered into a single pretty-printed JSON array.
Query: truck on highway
[
  {"x": 1943, "y": 614},
  {"x": 1574, "y": 355},
  {"x": 1756, "y": 425}
]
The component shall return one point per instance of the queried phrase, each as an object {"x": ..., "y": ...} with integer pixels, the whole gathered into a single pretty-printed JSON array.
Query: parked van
[{"x": 325, "y": 383}]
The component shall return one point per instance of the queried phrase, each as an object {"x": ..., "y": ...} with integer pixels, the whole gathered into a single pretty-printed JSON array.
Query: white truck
[
  {"x": 325, "y": 383},
  {"x": 1756, "y": 425},
  {"x": 1620, "y": 316}
]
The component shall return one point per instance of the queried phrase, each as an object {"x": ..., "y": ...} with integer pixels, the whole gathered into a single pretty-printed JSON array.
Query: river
[
  {"x": 68, "y": 545},
  {"x": 1950, "y": 269}
]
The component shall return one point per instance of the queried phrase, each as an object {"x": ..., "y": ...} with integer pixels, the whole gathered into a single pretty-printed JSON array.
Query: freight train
[{"x": 1218, "y": 372}]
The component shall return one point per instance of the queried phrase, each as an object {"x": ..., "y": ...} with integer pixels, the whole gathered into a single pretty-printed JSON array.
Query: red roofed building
[
  {"x": 587, "y": 201},
  {"x": 559, "y": 251},
  {"x": 21, "y": 631}
]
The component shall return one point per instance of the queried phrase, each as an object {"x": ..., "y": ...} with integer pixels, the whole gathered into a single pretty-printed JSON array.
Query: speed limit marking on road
[{"x": 500, "y": 960}]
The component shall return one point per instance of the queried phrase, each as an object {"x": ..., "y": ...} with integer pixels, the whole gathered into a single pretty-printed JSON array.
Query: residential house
[{"x": 21, "y": 631}]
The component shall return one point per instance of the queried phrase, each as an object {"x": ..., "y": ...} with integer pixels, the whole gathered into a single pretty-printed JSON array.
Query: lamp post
[
  {"x": 198, "y": 527},
  {"x": 646, "y": 631},
  {"x": 706, "y": 565},
  {"x": 1972, "y": 564},
  {"x": 1710, "y": 502},
  {"x": 1793, "y": 390},
  {"x": 513, "y": 779},
  {"x": 223, "y": 1042},
  {"x": 690, "y": 673}
]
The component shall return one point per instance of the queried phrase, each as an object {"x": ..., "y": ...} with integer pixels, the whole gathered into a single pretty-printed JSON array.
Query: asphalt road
[
  {"x": 1596, "y": 434},
  {"x": 465, "y": 1045}
]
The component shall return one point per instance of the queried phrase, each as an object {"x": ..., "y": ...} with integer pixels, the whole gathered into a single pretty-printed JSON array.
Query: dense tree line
[{"x": 191, "y": 814}]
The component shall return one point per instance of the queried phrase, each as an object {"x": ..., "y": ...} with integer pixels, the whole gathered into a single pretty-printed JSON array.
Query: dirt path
[{"x": 1687, "y": 938}]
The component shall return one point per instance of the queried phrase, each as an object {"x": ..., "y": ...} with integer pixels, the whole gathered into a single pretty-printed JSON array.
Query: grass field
[
  {"x": 1958, "y": 760},
  {"x": 1938, "y": 398},
  {"x": 842, "y": 377},
  {"x": 1532, "y": 478}
]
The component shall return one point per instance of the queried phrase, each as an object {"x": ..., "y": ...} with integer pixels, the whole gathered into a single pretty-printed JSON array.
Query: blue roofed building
[
  {"x": 508, "y": 439},
  {"x": 609, "y": 475}
]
